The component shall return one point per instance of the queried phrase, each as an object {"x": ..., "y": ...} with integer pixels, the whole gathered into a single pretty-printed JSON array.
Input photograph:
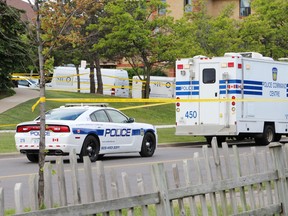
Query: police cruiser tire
[
  {"x": 34, "y": 158},
  {"x": 148, "y": 145},
  {"x": 90, "y": 148}
]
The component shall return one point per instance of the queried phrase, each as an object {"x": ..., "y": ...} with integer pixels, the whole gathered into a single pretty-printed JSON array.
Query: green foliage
[
  {"x": 135, "y": 32},
  {"x": 266, "y": 29},
  {"x": 197, "y": 33},
  {"x": 12, "y": 47},
  {"x": 139, "y": 71}
]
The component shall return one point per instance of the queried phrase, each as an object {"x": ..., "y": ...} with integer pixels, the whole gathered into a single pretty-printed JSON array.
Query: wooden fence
[{"x": 253, "y": 183}]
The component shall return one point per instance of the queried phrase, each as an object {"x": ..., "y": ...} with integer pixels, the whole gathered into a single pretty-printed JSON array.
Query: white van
[
  {"x": 160, "y": 87},
  {"x": 115, "y": 81}
]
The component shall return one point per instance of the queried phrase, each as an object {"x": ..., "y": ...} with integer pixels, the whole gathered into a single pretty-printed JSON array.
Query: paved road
[
  {"x": 22, "y": 95},
  {"x": 18, "y": 169}
]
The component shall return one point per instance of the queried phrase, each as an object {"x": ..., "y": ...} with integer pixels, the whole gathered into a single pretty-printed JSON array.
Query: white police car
[{"x": 90, "y": 130}]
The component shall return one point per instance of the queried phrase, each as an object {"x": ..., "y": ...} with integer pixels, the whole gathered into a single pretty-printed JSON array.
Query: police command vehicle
[
  {"x": 90, "y": 130},
  {"x": 237, "y": 95}
]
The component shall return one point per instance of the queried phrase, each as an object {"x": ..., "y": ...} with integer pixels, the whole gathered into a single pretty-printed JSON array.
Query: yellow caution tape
[
  {"x": 8, "y": 125},
  {"x": 136, "y": 107},
  {"x": 150, "y": 100},
  {"x": 41, "y": 100},
  {"x": 156, "y": 101}
]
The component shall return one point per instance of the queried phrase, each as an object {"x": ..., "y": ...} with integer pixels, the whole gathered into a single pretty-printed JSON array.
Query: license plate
[{"x": 35, "y": 141}]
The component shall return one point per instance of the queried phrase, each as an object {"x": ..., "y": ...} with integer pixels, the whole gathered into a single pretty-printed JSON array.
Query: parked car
[
  {"x": 26, "y": 82},
  {"x": 91, "y": 130}
]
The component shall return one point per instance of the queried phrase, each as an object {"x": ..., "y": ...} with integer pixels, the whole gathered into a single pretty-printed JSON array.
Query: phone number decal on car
[{"x": 109, "y": 147}]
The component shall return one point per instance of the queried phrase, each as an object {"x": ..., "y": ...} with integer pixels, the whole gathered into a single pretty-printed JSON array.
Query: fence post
[
  {"x": 88, "y": 179},
  {"x": 33, "y": 186},
  {"x": 61, "y": 182},
  {"x": 161, "y": 184},
  {"x": 18, "y": 198},
  {"x": 48, "y": 190},
  {"x": 75, "y": 177},
  {"x": 1, "y": 201},
  {"x": 279, "y": 163}
]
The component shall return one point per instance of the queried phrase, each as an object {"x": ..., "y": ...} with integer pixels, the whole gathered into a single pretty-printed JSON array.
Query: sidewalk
[{"x": 22, "y": 95}]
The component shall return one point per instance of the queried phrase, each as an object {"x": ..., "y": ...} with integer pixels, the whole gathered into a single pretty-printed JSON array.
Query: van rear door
[{"x": 209, "y": 93}]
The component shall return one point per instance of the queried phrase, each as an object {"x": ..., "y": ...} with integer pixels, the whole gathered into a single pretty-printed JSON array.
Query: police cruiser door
[
  {"x": 209, "y": 89},
  {"x": 117, "y": 133}
]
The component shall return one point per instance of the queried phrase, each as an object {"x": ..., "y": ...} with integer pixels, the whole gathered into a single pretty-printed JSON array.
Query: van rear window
[{"x": 209, "y": 75}]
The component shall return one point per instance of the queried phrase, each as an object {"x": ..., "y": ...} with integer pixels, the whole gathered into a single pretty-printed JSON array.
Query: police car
[{"x": 91, "y": 130}]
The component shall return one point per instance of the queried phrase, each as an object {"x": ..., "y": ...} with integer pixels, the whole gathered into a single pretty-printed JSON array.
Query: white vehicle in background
[
  {"x": 25, "y": 82},
  {"x": 236, "y": 95},
  {"x": 160, "y": 87},
  {"x": 90, "y": 130},
  {"x": 115, "y": 81}
]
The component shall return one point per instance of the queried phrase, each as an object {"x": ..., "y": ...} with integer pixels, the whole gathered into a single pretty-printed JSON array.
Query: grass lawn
[
  {"x": 7, "y": 143},
  {"x": 156, "y": 115}
]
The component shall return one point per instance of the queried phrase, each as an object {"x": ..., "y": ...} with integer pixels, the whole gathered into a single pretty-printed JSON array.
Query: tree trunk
[
  {"x": 98, "y": 74},
  {"x": 147, "y": 72},
  {"x": 42, "y": 108},
  {"x": 92, "y": 77},
  {"x": 78, "y": 78}
]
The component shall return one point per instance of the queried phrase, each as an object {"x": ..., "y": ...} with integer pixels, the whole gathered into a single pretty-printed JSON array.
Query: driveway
[{"x": 22, "y": 95}]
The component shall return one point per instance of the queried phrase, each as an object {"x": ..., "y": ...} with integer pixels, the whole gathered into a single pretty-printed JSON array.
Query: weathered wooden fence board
[
  {"x": 215, "y": 189},
  {"x": 1, "y": 201}
]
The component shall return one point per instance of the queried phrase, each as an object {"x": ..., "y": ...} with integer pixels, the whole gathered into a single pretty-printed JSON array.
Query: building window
[
  {"x": 245, "y": 9},
  {"x": 162, "y": 11},
  {"x": 188, "y": 5}
]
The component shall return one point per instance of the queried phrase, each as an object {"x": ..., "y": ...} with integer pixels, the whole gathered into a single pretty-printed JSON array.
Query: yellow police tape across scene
[
  {"x": 155, "y": 101},
  {"x": 151, "y": 100},
  {"x": 19, "y": 76}
]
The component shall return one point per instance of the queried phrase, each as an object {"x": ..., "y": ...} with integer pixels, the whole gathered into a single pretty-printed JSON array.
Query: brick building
[
  {"x": 179, "y": 7},
  {"x": 28, "y": 14}
]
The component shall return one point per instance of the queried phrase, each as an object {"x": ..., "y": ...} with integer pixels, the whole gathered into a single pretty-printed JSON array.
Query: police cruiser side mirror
[{"x": 130, "y": 120}]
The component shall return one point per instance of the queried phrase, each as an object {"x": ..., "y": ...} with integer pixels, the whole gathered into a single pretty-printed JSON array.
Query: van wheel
[
  {"x": 267, "y": 137},
  {"x": 220, "y": 140},
  {"x": 208, "y": 139},
  {"x": 148, "y": 145},
  {"x": 277, "y": 137},
  {"x": 34, "y": 158},
  {"x": 90, "y": 148}
]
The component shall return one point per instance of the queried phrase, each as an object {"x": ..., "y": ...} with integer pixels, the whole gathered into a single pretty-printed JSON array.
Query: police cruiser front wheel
[
  {"x": 90, "y": 148},
  {"x": 148, "y": 145}
]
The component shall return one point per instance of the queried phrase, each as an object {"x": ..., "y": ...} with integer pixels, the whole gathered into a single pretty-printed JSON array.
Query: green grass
[
  {"x": 137, "y": 211},
  {"x": 167, "y": 135},
  {"x": 156, "y": 115},
  {"x": 7, "y": 143}
]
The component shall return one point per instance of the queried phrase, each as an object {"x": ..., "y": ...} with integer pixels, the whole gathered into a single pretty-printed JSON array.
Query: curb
[{"x": 10, "y": 155}]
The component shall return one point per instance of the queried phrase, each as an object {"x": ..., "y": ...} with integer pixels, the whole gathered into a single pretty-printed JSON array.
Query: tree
[
  {"x": 65, "y": 24},
  {"x": 197, "y": 33},
  {"x": 12, "y": 44},
  {"x": 48, "y": 37},
  {"x": 265, "y": 30},
  {"x": 135, "y": 31}
]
